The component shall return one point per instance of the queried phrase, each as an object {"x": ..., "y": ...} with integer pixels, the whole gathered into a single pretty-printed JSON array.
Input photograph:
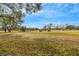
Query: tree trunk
[{"x": 5, "y": 29}]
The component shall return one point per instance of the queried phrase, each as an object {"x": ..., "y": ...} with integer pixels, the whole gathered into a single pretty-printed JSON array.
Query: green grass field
[{"x": 55, "y": 43}]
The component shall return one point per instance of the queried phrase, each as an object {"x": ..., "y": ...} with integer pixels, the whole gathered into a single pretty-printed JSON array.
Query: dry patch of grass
[
  {"x": 39, "y": 43},
  {"x": 37, "y": 46}
]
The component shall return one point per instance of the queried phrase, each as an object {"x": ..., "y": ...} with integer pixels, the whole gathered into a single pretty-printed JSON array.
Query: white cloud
[{"x": 49, "y": 13}]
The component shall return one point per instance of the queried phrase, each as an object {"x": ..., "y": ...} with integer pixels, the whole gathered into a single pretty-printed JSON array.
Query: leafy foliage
[{"x": 12, "y": 13}]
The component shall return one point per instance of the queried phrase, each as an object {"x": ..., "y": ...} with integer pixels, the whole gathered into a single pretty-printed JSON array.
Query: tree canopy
[{"x": 11, "y": 13}]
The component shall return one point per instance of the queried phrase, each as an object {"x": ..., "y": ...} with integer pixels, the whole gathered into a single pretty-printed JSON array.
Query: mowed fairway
[{"x": 55, "y": 43}]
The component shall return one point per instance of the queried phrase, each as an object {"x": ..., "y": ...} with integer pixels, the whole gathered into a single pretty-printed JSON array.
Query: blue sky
[{"x": 61, "y": 13}]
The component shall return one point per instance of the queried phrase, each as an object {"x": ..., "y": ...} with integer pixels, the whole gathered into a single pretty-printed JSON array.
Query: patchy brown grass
[{"x": 35, "y": 43}]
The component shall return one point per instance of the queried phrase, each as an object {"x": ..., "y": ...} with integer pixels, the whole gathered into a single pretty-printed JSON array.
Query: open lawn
[{"x": 55, "y": 43}]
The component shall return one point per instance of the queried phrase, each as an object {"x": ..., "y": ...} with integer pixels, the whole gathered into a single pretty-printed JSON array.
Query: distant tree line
[
  {"x": 50, "y": 27},
  {"x": 23, "y": 29}
]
